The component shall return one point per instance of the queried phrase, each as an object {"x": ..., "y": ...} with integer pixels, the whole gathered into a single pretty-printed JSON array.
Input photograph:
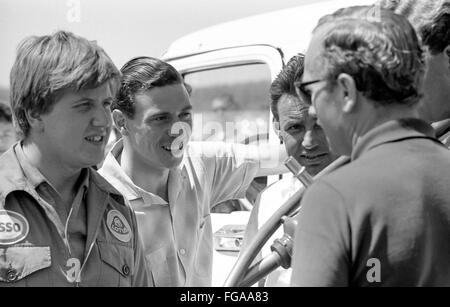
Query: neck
[
  {"x": 149, "y": 178},
  {"x": 372, "y": 116},
  {"x": 62, "y": 177}
]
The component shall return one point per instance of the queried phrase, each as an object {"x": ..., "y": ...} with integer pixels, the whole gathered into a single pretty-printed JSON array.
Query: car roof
[{"x": 288, "y": 30}]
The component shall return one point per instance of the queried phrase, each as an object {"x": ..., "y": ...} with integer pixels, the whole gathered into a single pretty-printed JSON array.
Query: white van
[{"x": 236, "y": 62}]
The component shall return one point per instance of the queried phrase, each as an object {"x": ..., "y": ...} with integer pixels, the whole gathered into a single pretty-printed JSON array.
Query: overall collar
[{"x": 392, "y": 131}]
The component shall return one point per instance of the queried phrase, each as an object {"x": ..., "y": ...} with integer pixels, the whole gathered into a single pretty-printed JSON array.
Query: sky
[{"x": 124, "y": 28}]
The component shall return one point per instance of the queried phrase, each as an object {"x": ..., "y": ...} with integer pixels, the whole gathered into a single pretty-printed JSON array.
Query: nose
[
  {"x": 312, "y": 111},
  {"x": 309, "y": 141},
  {"x": 179, "y": 128},
  {"x": 102, "y": 118}
]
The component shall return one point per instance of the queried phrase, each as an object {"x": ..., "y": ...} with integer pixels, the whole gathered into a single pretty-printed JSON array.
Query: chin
[{"x": 92, "y": 160}]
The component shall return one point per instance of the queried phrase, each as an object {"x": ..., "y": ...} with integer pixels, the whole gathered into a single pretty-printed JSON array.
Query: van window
[{"x": 231, "y": 104}]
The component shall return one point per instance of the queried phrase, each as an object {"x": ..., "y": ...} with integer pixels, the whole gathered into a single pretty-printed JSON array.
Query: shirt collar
[
  {"x": 114, "y": 173},
  {"x": 392, "y": 131},
  {"x": 36, "y": 178}
]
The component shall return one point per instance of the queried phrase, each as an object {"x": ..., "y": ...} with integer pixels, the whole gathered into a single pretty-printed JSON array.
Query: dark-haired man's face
[
  {"x": 303, "y": 138},
  {"x": 7, "y": 136},
  {"x": 435, "y": 105},
  {"x": 160, "y": 129}
]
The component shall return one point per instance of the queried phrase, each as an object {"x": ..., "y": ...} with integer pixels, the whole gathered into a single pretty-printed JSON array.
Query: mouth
[
  {"x": 314, "y": 158},
  {"x": 169, "y": 148},
  {"x": 95, "y": 139}
]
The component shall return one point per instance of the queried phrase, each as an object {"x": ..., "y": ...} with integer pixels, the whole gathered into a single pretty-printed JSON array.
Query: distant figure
[
  {"x": 223, "y": 107},
  {"x": 7, "y": 133},
  {"x": 224, "y": 103}
]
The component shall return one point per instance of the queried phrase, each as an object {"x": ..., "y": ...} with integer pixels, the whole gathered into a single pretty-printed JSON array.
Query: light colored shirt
[
  {"x": 177, "y": 235},
  {"x": 269, "y": 201}
]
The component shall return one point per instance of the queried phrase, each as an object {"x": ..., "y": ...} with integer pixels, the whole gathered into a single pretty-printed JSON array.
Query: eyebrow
[
  {"x": 162, "y": 113},
  {"x": 81, "y": 101},
  {"x": 295, "y": 120},
  {"x": 188, "y": 108},
  {"x": 87, "y": 99}
]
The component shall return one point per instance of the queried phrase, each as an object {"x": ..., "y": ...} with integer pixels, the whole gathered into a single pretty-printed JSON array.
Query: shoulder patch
[
  {"x": 14, "y": 227},
  {"x": 118, "y": 225}
]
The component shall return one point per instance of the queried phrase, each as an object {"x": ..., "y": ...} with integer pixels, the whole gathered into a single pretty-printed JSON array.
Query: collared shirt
[
  {"x": 37, "y": 249},
  {"x": 72, "y": 220},
  {"x": 270, "y": 200},
  {"x": 382, "y": 219},
  {"x": 177, "y": 233}
]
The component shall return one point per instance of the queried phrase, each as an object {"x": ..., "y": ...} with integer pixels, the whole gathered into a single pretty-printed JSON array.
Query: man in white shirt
[
  {"x": 170, "y": 183},
  {"x": 304, "y": 140}
]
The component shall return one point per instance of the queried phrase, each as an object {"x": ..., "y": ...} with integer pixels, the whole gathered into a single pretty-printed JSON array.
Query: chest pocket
[
  {"x": 23, "y": 265},
  {"x": 164, "y": 266},
  {"x": 118, "y": 264}
]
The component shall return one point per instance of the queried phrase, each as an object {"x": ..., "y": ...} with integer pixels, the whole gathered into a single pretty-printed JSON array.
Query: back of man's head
[
  {"x": 47, "y": 65},
  {"x": 141, "y": 74},
  {"x": 431, "y": 19},
  {"x": 378, "y": 48}
]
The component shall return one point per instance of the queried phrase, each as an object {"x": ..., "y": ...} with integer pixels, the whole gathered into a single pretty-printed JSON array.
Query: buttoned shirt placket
[
  {"x": 175, "y": 183},
  {"x": 50, "y": 211}
]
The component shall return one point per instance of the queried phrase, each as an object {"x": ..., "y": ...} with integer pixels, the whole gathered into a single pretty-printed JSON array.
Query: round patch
[
  {"x": 118, "y": 226},
  {"x": 13, "y": 227}
]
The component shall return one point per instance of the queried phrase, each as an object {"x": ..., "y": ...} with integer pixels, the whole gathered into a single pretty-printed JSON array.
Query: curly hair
[
  {"x": 140, "y": 74},
  {"x": 284, "y": 82},
  {"x": 379, "y": 49},
  {"x": 46, "y": 65},
  {"x": 430, "y": 18}
]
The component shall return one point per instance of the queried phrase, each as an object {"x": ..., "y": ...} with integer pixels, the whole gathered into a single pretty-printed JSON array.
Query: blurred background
[{"x": 123, "y": 28}]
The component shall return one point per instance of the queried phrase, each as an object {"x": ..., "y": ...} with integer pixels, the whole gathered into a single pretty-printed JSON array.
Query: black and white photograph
[{"x": 225, "y": 148}]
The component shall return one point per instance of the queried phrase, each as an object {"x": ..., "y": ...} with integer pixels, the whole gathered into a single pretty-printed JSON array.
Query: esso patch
[
  {"x": 118, "y": 226},
  {"x": 13, "y": 227}
]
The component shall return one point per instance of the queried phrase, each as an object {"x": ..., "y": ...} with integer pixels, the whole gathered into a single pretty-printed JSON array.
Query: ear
[
  {"x": 348, "y": 92},
  {"x": 447, "y": 55},
  {"x": 276, "y": 128},
  {"x": 34, "y": 120},
  {"x": 120, "y": 121}
]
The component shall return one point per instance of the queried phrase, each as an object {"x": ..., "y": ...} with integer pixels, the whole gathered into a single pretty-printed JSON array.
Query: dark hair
[
  {"x": 141, "y": 74},
  {"x": 46, "y": 65},
  {"x": 5, "y": 113},
  {"x": 379, "y": 49},
  {"x": 284, "y": 82},
  {"x": 431, "y": 19}
]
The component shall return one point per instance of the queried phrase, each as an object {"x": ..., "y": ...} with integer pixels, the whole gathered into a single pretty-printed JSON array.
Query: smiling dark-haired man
[{"x": 170, "y": 182}]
